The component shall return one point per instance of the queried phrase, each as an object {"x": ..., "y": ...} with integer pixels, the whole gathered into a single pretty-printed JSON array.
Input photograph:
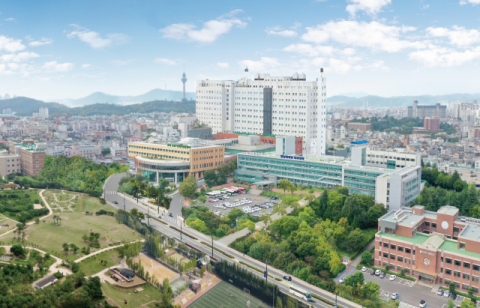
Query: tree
[
  {"x": 355, "y": 280},
  {"x": 467, "y": 303},
  {"x": 292, "y": 189},
  {"x": 450, "y": 304},
  {"x": 75, "y": 267},
  {"x": 284, "y": 184},
  {"x": 451, "y": 287},
  {"x": 94, "y": 287},
  {"x": 187, "y": 189},
  {"x": 166, "y": 295},
  {"x": 370, "y": 290},
  {"x": 366, "y": 257},
  {"x": 355, "y": 239},
  {"x": 210, "y": 177},
  {"x": 66, "y": 247},
  {"x": 17, "y": 250},
  {"x": 37, "y": 220},
  {"x": 105, "y": 151},
  {"x": 166, "y": 202}
]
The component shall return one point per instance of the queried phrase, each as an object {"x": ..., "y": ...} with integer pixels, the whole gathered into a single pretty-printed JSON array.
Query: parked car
[
  {"x": 453, "y": 296},
  {"x": 211, "y": 200},
  {"x": 226, "y": 197},
  {"x": 382, "y": 275},
  {"x": 115, "y": 202},
  {"x": 394, "y": 296},
  {"x": 364, "y": 269},
  {"x": 341, "y": 280},
  {"x": 392, "y": 277},
  {"x": 423, "y": 304},
  {"x": 274, "y": 198},
  {"x": 446, "y": 293},
  {"x": 170, "y": 214},
  {"x": 440, "y": 292},
  {"x": 372, "y": 272},
  {"x": 287, "y": 278},
  {"x": 473, "y": 301},
  {"x": 159, "y": 216},
  {"x": 378, "y": 272}
]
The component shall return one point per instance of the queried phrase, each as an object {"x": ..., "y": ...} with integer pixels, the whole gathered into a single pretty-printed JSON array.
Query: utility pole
[
  {"x": 266, "y": 272},
  {"x": 335, "y": 300},
  {"x": 212, "y": 245},
  {"x": 297, "y": 267},
  {"x": 124, "y": 201},
  {"x": 273, "y": 296},
  {"x": 181, "y": 230}
]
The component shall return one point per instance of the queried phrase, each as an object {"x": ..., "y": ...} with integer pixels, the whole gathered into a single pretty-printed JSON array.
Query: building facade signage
[
  {"x": 427, "y": 253},
  {"x": 292, "y": 157}
]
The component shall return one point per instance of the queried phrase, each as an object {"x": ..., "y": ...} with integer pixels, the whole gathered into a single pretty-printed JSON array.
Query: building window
[
  {"x": 448, "y": 260},
  {"x": 456, "y": 274},
  {"x": 385, "y": 245},
  {"x": 406, "y": 270},
  {"x": 385, "y": 254},
  {"x": 393, "y": 246},
  {"x": 465, "y": 287},
  {"x": 475, "y": 290},
  {"x": 466, "y": 276},
  {"x": 458, "y": 263},
  {"x": 448, "y": 271},
  {"x": 408, "y": 250},
  {"x": 400, "y": 258},
  {"x": 427, "y": 224},
  {"x": 466, "y": 265},
  {"x": 446, "y": 281},
  {"x": 392, "y": 256},
  {"x": 434, "y": 225},
  {"x": 407, "y": 261},
  {"x": 475, "y": 278},
  {"x": 476, "y": 267},
  {"x": 400, "y": 248},
  {"x": 462, "y": 245},
  {"x": 457, "y": 284}
]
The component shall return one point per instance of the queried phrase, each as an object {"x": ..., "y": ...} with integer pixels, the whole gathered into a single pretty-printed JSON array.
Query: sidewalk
[
  {"x": 103, "y": 250},
  {"x": 358, "y": 258}
]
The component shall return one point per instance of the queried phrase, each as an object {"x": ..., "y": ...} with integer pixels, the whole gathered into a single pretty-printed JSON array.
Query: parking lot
[{"x": 254, "y": 205}]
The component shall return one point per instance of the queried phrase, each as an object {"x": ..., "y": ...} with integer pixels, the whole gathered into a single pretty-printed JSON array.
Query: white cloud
[
  {"x": 210, "y": 32},
  {"x": 280, "y": 32},
  {"x": 223, "y": 65},
  {"x": 458, "y": 36},
  {"x": 371, "y": 7},
  {"x": 441, "y": 56},
  {"x": 263, "y": 64},
  {"x": 165, "y": 61},
  {"x": 54, "y": 66},
  {"x": 86, "y": 65},
  {"x": 372, "y": 35},
  {"x": 42, "y": 41},
  {"x": 94, "y": 39},
  {"x": 19, "y": 57},
  {"x": 9, "y": 19},
  {"x": 474, "y": 2},
  {"x": 10, "y": 44},
  {"x": 121, "y": 62},
  {"x": 320, "y": 50},
  {"x": 426, "y": 6}
]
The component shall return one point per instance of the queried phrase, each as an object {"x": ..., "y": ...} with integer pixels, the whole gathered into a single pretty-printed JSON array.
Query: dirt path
[{"x": 102, "y": 250}]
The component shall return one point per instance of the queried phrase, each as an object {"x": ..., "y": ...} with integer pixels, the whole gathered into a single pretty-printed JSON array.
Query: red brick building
[
  {"x": 436, "y": 247},
  {"x": 431, "y": 124},
  {"x": 364, "y": 127}
]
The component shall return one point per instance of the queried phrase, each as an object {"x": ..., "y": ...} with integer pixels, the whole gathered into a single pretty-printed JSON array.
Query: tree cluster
[
  {"x": 219, "y": 176},
  {"x": 18, "y": 204}
]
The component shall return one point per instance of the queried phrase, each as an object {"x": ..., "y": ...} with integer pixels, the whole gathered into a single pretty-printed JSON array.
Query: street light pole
[
  {"x": 124, "y": 201},
  {"x": 273, "y": 296},
  {"x": 212, "y": 245},
  {"x": 181, "y": 230},
  {"x": 266, "y": 272}
]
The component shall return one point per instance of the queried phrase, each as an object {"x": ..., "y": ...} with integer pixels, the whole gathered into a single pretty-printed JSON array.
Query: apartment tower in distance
[
  {"x": 424, "y": 111},
  {"x": 266, "y": 105}
]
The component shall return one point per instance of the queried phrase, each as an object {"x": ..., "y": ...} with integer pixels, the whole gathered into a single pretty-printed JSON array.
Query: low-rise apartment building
[
  {"x": 435, "y": 247},
  {"x": 385, "y": 159},
  {"x": 32, "y": 158},
  {"x": 175, "y": 161},
  {"x": 9, "y": 163}
]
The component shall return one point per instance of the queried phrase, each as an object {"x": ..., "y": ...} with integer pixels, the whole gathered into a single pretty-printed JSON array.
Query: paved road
[{"x": 111, "y": 185}]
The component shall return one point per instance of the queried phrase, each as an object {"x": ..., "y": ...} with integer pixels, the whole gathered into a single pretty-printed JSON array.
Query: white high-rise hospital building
[{"x": 266, "y": 105}]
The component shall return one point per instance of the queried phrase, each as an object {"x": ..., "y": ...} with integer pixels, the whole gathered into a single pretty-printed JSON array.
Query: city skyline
[{"x": 52, "y": 50}]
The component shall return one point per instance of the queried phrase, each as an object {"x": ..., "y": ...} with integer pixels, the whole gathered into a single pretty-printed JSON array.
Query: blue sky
[{"x": 69, "y": 49}]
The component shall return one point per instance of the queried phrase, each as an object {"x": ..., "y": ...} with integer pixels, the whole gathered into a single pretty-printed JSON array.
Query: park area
[
  {"x": 227, "y": 296},
  {"x": 128, "y": 298},
  {"x": 18, "y": 204},
  {"x": 6, "y": 224},
  {"x": 70, "y": 226}
]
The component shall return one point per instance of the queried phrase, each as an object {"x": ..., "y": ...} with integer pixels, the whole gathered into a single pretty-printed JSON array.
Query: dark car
[
  {"x": 382, "y": 275},
  {"x": 453, "y": 296},
  {"x": 287, "y": 278},
  {"x": 170, "y": 214},
  {"x": 274, "y": 198},
  {"x": 473, "y": 301},
  {"x": 372, "y": 272},
  {"x": 115, "y": 202}
]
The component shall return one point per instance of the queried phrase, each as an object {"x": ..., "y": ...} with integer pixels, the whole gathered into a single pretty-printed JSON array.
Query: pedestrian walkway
[
  {"x": 227, "y": 240},
  {"x": 358, "y": 258},
  {"x": 103, "y": 250}
]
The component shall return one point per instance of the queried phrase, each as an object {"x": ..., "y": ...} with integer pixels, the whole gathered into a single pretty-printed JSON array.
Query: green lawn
[
  {"x": 50, "y": 237},
  {"x": 148, "y": 294},
  {"x": 281, "y": 194},
  {"x": 221, "y": 296},
  {"x": 369, "y": 234},
  {"x": 92, "y": 265}
]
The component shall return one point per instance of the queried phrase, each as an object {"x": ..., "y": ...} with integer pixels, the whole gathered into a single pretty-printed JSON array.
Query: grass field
[
  {"x": 91, "y": 266},
  {"x": 73, "y": 226},
  {"x": 148, "y": 294},
  {"x": 7, "y": 221},
  {"x": 221, "y": 296}
]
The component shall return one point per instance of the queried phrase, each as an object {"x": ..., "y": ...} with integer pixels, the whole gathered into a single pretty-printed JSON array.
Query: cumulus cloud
[
  {"x": 441, "y": 56},
  {"x": 210, "y": 31},
  {"x": 19, "y": 57},
  {"x": 458, "y": 36},
  {"x": 94, "y": 39},
  {"x": 371, "y": 7},
  {"x": 474, "y": 2},
  {"x": 374, "y": 35},
  {"x": 10, "y": 19},
  {"x": 54, "y": 66},
  {"x": 265, "y": 63},
  {"x": 165, "y": 61},
  {"x": 42, "y": 41},
  {"x": 281, "y": 32},
  {"x": 10, "y": 44},
  {"x": 320, "y": 50},
  {"x": 223, "y": 65},
  {"x": 86, "y": 65}
]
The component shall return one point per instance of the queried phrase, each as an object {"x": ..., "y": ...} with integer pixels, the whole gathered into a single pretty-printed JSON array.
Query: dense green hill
[{"x": 25, "y": 106}]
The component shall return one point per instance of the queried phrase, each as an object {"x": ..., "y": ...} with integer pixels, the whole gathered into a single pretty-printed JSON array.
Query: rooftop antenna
[{"x": 246, "y": 74}]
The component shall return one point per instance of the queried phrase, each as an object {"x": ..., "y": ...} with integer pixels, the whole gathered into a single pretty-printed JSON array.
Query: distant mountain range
[
  {"x": 102, "y": 98},
  {"x": 24, "y": 106},
  {"x": 401, "y": 101}
]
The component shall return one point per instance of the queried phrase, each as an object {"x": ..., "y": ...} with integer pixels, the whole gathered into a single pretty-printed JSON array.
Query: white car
[
  {"x": 394, "y": 296},
  {"x": 364, "y": 269},
  {"x": 446, "y": 293},
  {"x": 226, "y": 197},
  {"x": 392, "y": 277},
  {"x": 341, "y": 280},
  {"x": 423, "y": 304}
]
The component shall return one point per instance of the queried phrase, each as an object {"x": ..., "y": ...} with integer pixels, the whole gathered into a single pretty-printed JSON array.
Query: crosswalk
[
  {"x": 110, "y": 192},
  {"x": 170, "y": 219}
]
